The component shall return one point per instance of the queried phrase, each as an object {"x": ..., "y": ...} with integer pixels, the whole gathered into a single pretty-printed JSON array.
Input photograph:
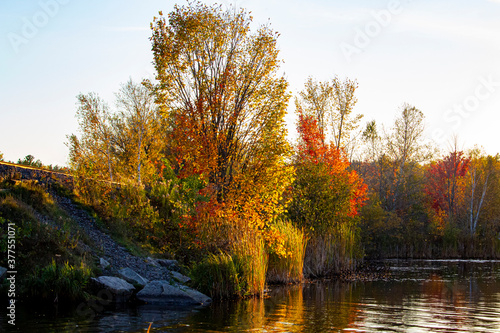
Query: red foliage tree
[
  {"x": 326, "y": 192},
  {"x": 446, "y": 183}
]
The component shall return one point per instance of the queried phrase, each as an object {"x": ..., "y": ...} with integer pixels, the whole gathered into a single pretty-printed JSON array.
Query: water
[{"x": 421, "y": 296}]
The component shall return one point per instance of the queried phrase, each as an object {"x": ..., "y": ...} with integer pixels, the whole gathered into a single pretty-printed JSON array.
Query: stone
[
  {"x": 162, "y": 292},
  {"x": 152, "y": 261},
  {"x": 3, "y": 271},
  {"x": 131, "y": 276},
  {"x": 119, "y": 288},
  {"x": 172, "y": 265},
  {"x": 179, "y": 277},
  {"x": 104, "y": 263}
]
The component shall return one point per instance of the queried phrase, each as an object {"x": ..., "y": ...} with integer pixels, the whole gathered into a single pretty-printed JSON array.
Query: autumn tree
[
  {"x": 326, "y": 196},
  {"x": 220, "y": 83},
  {"x": 406, "y": 148},
  {"x": 93, "y": 151},
  {"x": 343, "y": 122},
  {"x": 139, "y": 136},
  {"x": 446, "y": 186},
  {"x": 481, "y": 168},
  {"x": 393, "y": 171},
  {"x": 331, "y": 103},
  {"x": 219, "y": 86},
  {"x": 316, "y": 100}
]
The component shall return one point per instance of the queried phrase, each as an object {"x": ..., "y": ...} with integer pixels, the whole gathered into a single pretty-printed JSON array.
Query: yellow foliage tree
[{"x": 220, "y": 89}]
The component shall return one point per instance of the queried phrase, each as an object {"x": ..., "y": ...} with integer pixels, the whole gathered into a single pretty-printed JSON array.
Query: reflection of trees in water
[
  {"x": 314, "y": 307},
  {"x": 338, "y": 305}
]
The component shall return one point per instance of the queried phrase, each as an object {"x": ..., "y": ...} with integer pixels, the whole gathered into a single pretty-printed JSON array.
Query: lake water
[{"x": 420, "y": 296}]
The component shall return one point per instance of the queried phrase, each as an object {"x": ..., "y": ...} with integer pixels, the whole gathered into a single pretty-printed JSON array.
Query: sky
[{"x": 442, "y": 57}]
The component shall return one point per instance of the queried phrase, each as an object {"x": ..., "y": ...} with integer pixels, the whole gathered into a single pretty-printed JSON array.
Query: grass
[
  {"x": 48, "y": 255},
  {"x": 332, "y": 252},
  {"x": 249, "y": 252},
  {"x": 219, "y": 276},
  {"x": 240, "y": 273},
  {"x": 290, "y": 267},
  {"x": 61, "y": 282}
]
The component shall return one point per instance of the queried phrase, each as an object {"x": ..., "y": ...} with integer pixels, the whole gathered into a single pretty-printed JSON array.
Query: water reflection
[{"x": 422, "y": 296}]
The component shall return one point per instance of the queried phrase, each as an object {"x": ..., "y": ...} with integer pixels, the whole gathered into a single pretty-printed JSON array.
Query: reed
[
  {"x": 332, "y": 252},
  {"x": 288, "y": 268},
  {"x": 249, "y": 252},
  {"x": 218, "y": 276}
]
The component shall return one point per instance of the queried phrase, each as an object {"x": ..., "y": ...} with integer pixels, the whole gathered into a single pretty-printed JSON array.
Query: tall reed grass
[
  {"x": 288, "y": 268},
  {"x": 249, "y": 252},
  {"x": 332, "y": 252},
  {"x": 239, "y": 273}
]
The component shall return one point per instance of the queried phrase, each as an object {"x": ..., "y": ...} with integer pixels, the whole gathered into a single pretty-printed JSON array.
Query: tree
[
  {"x": 372, "y": 138},
  {"x": 219, "y": 88},
  {"x": 219, "y": 84},
  {"x": 93, "y": 151},
  {"x": 446, "y": 184},
  {"x": 331, "y": 104},
  {"x": 315, "y": 100},
  {"x": 344, "y": 100},
  {"x": 326, "y": 196},
  {"x": 406, "y": 148},
  {"x": 139, "y": 124},
  {"x": 326, "y": 191},
  {"x": 30, "y": 161},
  {"x": 480, "y": 171}
]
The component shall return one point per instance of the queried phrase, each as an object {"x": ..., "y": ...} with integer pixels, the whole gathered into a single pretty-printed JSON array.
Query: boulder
[
  {"x": 162, "y": 292},
  {"x": 131, "y": 276},
  {"x": 172, "y": 265},
  {"x": 179, "y": 277},
  {"x": 3, "y": 271},
  {"x": 119, "y": 288},
  {"x": 104, "y": 263},
  {"x": 152, "y": 262}
]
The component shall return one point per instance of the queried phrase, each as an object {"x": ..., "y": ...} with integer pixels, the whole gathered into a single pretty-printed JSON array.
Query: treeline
[
  {"x": 31, "y": 161},
  {"x": 197, "y": 165},
  {"x": 426, "y": 204}
]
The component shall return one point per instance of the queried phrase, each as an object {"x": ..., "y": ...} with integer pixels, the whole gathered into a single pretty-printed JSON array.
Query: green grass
[
  {"x": 46, "y": 243},
  {"x": 219, "y": 276},
  {"x": 63, "y": 282}
]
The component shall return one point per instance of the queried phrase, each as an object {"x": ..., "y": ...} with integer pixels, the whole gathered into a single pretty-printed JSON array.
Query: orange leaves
[
  {"x": 446, "y": 182},
  {"x": 325, "y": 192}
]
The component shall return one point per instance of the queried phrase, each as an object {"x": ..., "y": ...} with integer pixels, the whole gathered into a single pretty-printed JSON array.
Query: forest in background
[{"x": 197, "y": 166}]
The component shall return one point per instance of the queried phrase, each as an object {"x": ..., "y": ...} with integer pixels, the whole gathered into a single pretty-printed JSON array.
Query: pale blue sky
[{"x": 441, "y": 56}]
